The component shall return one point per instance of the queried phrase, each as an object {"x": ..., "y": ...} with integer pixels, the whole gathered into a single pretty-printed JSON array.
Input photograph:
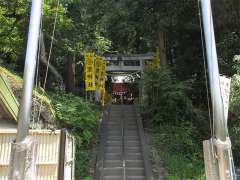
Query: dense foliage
[
  {"x": 77, "y": 30},
  {"x": 178, "y": 128},
  {"x": 176, "y": 95},
  {"x": 179, "y": 151},
  {"x": 126, "y": 27},
  {"x": 167, "y": 100},
  {"x": 234, "y": 111},
  {"x": 81, "y": 119}
]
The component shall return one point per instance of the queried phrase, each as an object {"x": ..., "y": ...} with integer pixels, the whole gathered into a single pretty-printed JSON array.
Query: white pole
[
  {"x": 223, "y": 144},
  {"x": 19, "y": 158},
  {"x": 219, "y": 122}
]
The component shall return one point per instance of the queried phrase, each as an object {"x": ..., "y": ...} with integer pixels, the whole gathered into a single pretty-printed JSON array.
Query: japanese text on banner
[
  {"x": 89, "y": 72},
  {"x": 102, "y": 75},
  {"x": 98, "y": 69}
]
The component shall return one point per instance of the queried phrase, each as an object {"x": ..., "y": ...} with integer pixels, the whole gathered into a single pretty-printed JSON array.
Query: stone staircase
[{"x": 123, "y": 153}]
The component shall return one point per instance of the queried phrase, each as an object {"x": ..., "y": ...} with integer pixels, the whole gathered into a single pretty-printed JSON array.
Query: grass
[
  {"x": 181, "y": 155},
  {"x": 12, "y": 76},
  {"x": 16, "y": 83}
]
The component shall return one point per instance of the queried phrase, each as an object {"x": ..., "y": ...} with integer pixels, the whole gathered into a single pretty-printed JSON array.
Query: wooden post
[
  {"x": 222, "y": 141},
  {"x": 211, "y": 165},
  {"x": 61, "y": 167}
]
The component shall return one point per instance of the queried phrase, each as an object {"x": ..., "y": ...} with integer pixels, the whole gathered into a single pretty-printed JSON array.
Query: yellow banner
[
  {"x": 102, "y": 95},
  {"x": 89, "y": 72},
  {"x": 98, "y": 68},
  {"x": 155, "y": 64},
  {"x": 90, "y": 86},
  {"x": 102, "y": 75}
]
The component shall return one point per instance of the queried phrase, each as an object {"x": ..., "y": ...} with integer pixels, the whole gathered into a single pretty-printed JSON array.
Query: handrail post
[{"x": 221, "y": 140}]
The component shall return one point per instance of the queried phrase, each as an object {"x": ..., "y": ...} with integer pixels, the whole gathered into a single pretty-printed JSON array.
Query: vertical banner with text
[
  {"x": 102, "y": 80},
  {"x": 98, "y": 68},
  {"x": 90, "y": 72}
]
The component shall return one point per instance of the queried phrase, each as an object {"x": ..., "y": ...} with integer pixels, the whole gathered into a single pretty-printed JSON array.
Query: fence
[{"x": 55, "y": 154}]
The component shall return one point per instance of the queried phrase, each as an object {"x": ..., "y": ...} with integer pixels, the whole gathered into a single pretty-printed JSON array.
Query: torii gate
[{"x": 128, "y": 63}]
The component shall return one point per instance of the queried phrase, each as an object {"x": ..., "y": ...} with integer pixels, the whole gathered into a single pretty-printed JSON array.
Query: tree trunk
[
  {"x": 70, "y": 74},
  {"x": 43, "y": 59},
  {"x": 162, "y": 48}
]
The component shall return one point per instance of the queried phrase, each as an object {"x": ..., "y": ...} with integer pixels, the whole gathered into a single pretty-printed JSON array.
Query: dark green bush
[
  {"x": 77, "y": 116},
  {"x": 167, "y": 101},
  {"x": 234, "y": 118},
  {"x": 178, "y": 127},
  {"x": 81, "y": 119},
  {"x": 179, "y": 151}
]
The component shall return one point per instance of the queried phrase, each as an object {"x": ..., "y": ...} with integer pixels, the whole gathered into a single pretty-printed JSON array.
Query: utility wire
[
  {"x": 49, "y": 57},
  {"x": 205, "y": 69},
  {"x": 210, "y": 116},
  {"x": 212, "y": 126},
  {"x": 211, "y": 22},
  {"x": 37, "y": 76}
]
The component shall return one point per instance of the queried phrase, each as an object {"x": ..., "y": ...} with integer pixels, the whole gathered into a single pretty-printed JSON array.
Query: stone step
[
  {"x": 113, "y": 133},
  {"x": 113, "y": 178},
  {"x": 119, "y": 171},
  {"x": 113, "y": 163},
  {"x": 113, "y": 143},
  {"x": 112, "y": 149},
  {"x": 135, "y": 172},
  {"x": 134, "y": 156},
  {"x": 130, "y": 138},
  {"x": 131, "y": 133},
  {"x": 112, "y": 156},
  {"x": 136, "y": 178},
  {"x": 132, "y": 143},
  {"x": 127, "y": 142},
  {"x": 122, "y": 147},
  {"x": 114, "y": 138},
  {"x": 136, "y": 150},
  {"x": 134, "y": 163},
  {"x": 109, "y": 123}
]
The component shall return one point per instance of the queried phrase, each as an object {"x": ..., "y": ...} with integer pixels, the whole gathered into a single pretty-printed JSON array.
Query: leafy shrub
[
  {"x": 234, "y": 119},
  {"x": 235, "y": 96},
  {"x": 77, "y": 116},
  {"x": 179, "y": 127},
  {"x": 81, "y": 119},
  {"x": 167, "y": 100},
  {"x": 176, "y": 145}
]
